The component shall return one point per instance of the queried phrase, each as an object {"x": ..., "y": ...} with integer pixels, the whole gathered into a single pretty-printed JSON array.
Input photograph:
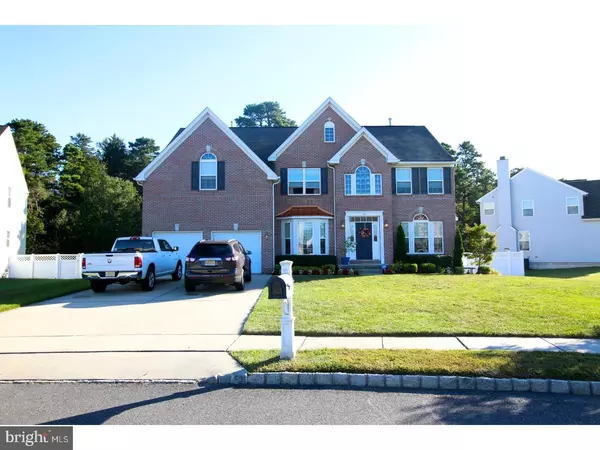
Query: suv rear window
[
  {"x": 134, "y": 245},
  {"x": 211, "y": 250}
]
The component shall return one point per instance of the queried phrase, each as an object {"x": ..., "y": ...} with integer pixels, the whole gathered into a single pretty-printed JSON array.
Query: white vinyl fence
[
  {"x": 45, "y": 266},
  {"x": 507, "y": 263}
]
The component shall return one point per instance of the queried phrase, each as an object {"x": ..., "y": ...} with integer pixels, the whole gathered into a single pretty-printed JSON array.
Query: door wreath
[{"x": 364, "y": 233}]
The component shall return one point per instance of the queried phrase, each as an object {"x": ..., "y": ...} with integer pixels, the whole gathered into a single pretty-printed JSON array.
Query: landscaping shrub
[
  {"x": 459, "y": 270},
  {"x": 485, "y": 270},
  {"x": 350, "y": 271},
  {"x": 410, "y": 268},
  {"x": 307, "y": 260},
  {"x": 438, "y": 260},
  {"x": 345, "y": 271},
  {"x": 400, "y": 249},
  {"x": 317, "y": 272},
  {"x": 427, "y": 268},
  {"x": 327, "y": 267},
  {"x": 356, "y": 272},
  {"x": 396, "y": 267}
]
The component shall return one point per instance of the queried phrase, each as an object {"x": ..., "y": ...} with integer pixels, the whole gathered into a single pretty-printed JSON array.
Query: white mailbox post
[{"x": 282, "y": 287}]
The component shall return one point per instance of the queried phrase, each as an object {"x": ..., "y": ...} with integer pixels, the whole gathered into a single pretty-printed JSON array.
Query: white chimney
[{"x": 506, "y": 235}]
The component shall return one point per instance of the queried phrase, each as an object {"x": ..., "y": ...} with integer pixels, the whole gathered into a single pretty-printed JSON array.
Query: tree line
[{"x": 81, "y": 195}]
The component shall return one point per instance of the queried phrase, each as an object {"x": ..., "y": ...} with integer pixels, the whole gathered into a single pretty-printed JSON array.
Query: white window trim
[
  {"x": 523, "y": 208},
  {"x": 402, "y": 181},
  {"x": 371, "y": 185},
  {"x": 429, "y": 180},
  {"x": 519, "y": 240},
  {"x": 7, "y": 239},
  {"x": 430, "y": 237},
  {"x": 328, "y": 124},
  {"x": 216, "y": 175},
  {"x": 9, "y": 197},
  {"x": 485, "y": 208},
  {"x": 303, "y": 169},
  {"x": 316, "y": 223},
  {"x": 567, "y": 206}
]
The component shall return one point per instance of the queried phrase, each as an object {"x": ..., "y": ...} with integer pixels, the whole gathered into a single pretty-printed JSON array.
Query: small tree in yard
[
  {"x": 481, "y": 244},
  {"x": 400, "y": 250},
  {"x": 458, "y": 249}
]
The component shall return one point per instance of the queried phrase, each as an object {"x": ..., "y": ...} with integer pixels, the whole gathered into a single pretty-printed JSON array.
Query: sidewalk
[{"x": 190, "y": 357}]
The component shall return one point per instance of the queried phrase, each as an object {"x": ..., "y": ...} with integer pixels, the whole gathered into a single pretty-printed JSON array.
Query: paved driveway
[{"x": 126, "y": 333}]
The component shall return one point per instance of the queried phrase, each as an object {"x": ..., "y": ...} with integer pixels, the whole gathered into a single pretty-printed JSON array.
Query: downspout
[
  {"x": 334, "y": 214},
  {"x": 273, "y": 231}
]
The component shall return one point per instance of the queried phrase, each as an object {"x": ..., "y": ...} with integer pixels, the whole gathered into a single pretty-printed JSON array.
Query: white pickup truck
[{"x": 139, "y": 259}]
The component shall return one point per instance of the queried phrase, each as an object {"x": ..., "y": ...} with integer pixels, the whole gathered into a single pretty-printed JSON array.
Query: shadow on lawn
[{"x": 580, "y": 272}]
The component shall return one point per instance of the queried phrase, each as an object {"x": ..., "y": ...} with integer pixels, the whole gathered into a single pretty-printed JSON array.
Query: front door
[{"x": 364, "y": 240}]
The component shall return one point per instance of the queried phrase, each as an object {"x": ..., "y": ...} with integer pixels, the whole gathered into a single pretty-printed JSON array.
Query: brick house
[{"x": 302, "y": 190}]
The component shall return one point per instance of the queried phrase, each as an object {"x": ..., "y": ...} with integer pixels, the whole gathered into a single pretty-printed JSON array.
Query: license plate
[
  {"x": 110, "y": 274},
  {"x": 210, "y": 262}
]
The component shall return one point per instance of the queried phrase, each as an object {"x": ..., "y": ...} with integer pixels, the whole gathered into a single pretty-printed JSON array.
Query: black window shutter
[
  {"x": 283, "y": 181},
  {"x": 220, "y": 175},
  {"x": 195, "y": 175},
  {"x": 423, "y": 182},
  {"x": 324, "y": 189},
  {"x": 393, "y": 180},
  {"x": 447, "y": 180},
  {"x": 415, "y": 181}
]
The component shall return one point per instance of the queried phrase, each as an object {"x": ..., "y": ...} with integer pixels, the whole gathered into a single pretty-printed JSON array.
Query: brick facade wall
[{"x": 246, "y": 200}]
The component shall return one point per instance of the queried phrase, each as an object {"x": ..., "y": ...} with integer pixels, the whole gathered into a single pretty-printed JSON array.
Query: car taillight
[
  {"x": 231, "y": 258},
  {"x": 137, "y": 262},
  {"x": 83, "y": 263},
  {"x": 190, "y": 260}
]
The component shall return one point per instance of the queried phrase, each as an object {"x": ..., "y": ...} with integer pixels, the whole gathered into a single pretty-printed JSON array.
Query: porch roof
[{"x": 308, "y": 210}]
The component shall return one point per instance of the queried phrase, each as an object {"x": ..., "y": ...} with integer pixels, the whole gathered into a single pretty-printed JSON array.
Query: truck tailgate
[{"x": 113, "y": 262}]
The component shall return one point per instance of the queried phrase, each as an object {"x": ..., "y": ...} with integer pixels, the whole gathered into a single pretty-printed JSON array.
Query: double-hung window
[
  {"x": 435, "y": 181},
  {"x": 489, "y": 208},
  {"x": 524, "y": 241},
  {"x": 527, "y": 208},
  {"x": 423, "y": 235},
  {"x": 329, "y": 132},
  {"x": 362, "y": 182},
  {"x": 572, "y": 206},
  {"x": 208, "y": 172},
  {"x": 304, "y": 181},
  {"x": 403, "y": 181}
]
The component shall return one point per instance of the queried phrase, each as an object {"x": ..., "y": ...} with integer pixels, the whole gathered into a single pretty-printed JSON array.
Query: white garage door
[
  {"x": 185, "y": 240},
  {"x": 250, "y": 240}
]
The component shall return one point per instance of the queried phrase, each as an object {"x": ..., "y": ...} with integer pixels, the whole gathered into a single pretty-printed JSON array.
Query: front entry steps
[{"x": 365, "y": 267}]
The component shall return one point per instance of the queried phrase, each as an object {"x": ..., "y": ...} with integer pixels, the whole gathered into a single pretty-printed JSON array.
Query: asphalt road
[{"x": 84, "y": 404}]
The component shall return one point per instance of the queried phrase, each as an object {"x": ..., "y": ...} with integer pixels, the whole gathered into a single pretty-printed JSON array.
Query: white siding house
[
  {"x": 13, "y": 200},
  {"x": 556, "y": 224}
]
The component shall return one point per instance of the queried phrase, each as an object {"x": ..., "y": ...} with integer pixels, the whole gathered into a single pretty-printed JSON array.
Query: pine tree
[
  {"x": 458, "y": 249},
  {"x": 400, "y": 249}
]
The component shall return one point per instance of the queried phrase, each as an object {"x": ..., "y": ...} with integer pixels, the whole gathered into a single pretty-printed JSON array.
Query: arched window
[
  {"x": 363, "y": 181},
  {"x": 420, "y": 217},
  {"x": 208, "y": 172},
  {"x": 329, "y": 131},
  {"x": 423, "y": 235}
]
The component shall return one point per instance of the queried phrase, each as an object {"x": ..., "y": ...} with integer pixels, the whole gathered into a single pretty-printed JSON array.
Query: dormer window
[
  {"x": 329, "y": 132},
  {"x": 208, "y": 172}
]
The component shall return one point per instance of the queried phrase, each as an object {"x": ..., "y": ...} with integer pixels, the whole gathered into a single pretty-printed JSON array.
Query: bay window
[
  {"x": 424, "y": 236},
  {"x": 305, "y": 236},
  {"x": 304, "y": 181}
]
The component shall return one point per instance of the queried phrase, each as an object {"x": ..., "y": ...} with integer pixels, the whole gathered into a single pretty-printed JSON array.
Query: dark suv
[{"x": 218, "y": 262}]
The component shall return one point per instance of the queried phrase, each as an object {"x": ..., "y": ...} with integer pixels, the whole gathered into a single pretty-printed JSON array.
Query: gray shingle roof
[
  {"x": 407, "y": 143},
  {"x": 591, "y": 202},
  {"x": 2, "y": 128}
]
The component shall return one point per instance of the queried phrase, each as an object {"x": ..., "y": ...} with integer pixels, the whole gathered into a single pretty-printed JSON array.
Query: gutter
[
  {"x": 273, "y": 217},
  {"x": 334, "y": 214}
]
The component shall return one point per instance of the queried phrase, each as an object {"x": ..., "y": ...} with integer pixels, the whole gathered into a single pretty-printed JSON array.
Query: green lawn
[
  {"x": 15, "y": 293},
  {"x": 560, "y": 304},
  {"x": 498, "y": 364}
]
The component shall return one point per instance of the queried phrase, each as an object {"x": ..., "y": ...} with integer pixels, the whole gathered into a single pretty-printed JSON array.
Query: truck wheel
[
  {"x": 248, "y": 276},
  {"x": 176, "y": 276},
  {"x": 150, "y": 280},
  {"x": 98, "y": 286},
  {"x": 189, "y": 287},
  {"x": 241, "y": 285}
]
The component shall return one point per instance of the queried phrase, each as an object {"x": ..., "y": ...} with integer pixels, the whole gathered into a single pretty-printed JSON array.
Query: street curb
[{"x": 420, "y": 382}]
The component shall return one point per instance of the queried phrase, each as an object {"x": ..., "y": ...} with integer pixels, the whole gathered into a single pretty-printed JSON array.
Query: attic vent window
[{"x": 329, "y": 131}]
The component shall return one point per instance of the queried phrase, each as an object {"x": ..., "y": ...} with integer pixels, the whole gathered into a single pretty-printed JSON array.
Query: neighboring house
[
  {"x": 556, "y": 224},
  {"x": 13, "y": 200},
  {"x": 302, "y": 190}
]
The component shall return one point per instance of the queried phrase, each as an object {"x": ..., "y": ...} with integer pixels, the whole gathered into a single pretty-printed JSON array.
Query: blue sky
[{"x": 530, "y": 96}]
